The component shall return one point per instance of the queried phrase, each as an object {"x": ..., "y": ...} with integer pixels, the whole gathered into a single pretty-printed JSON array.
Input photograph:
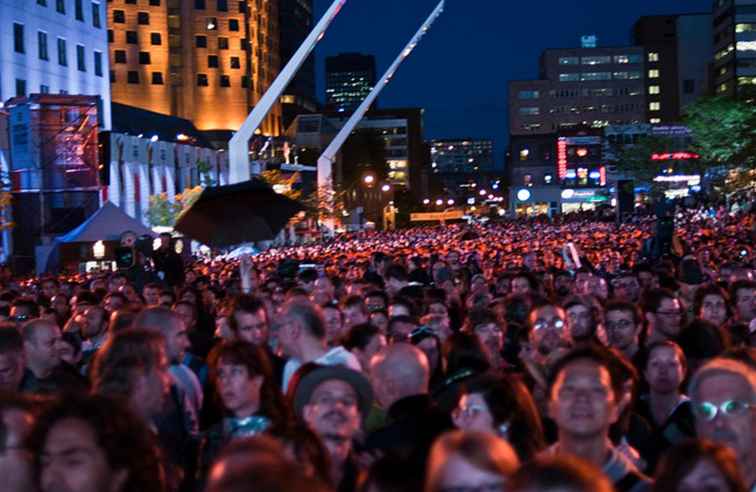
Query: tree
[{"x": 163, "y": 213}]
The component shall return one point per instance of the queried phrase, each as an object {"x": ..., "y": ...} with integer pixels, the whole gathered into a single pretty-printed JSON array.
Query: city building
[
  {"x": 734, "y": 36},
  {"x": 678, "y": 54},
  {"x": 464, "y": 165},
  {"x": 205, "y": 61},
  {"x": 295, "y": 23},
  {"x": 55, "y": 47},
  {"x": 349, "y": 79}
]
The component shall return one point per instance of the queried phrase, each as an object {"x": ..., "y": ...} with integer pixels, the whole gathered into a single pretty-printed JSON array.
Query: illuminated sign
[
  {"x": 523, "y": 195},
  {"x": 433, "y": 216},
  {"x": 562, "y": 157},
  {"x": 602, "y": 175},
  {"x": 582, "y": 152},
  {"x": 675, "y": 156}
]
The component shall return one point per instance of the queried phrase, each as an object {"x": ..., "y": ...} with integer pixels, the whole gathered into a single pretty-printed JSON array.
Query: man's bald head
[
  {"x": 398, "y": 371},
  {"x": 157, "y": 319}
]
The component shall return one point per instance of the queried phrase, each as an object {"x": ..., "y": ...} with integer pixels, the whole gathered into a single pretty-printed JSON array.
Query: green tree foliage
[
  {"x": 724, "y": 131},
  {"x": 163, "y": 213}
]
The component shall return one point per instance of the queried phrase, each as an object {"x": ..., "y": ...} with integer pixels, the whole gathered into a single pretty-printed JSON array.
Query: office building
[
  {"x": 349, "y": 79},
  {"x": 208, "y": 61},
  {"x": 734, "y": 36},
  {"x": 55, "y": 47},
  {"x": 464, "y": 165},
  {"x": 295, "y": 23}
]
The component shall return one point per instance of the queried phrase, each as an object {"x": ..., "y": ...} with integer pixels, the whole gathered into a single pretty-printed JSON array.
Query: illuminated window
[
  {"x": 569, "y": 77},
  {"x": 596, "y": 76},
  {"x": 746, "y": 45},
  {"x": 524, "y": 153},
  {"x": 569, "y": 60},
  {"x": 530, "y": 111},
  {"x": 528, "y": 95},
  {"x": 654, "y": 106},
  {"x": 722, "y": 88},
  {"x": 745, "y": 27},
  {"x": 654, "y": 89},
  {"x": 724, "y": 52},
  {"x": 653, "y": 73},
  {"x": 596, "y": 60},
  {"x": 654, "y": 121},
  {"x": 548, "y": 178},
  {"x": 653, "y": 56}
]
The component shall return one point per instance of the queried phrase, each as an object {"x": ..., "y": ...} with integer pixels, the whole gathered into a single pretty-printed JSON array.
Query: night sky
[{"x": 460, "y": 70}]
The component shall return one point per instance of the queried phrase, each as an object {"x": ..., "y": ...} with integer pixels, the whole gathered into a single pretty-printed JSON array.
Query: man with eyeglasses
[
  {"x": 724, "y": 404},
  {"x": 664, "y": 313},
  {"x": 548, "y": 338},
  {"x": 624, "y": 324}
]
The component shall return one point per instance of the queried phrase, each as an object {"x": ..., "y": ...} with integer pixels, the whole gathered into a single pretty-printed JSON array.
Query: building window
[
  {"x": 112, "y": 76},
  {"x": 244, "y": 44},
  {"x": 225, "y": 81},
  {"x": 96, "y": 22},
  {"x": 202, "y": 80},
  {"x": 42, "y": 3},
  {"x": 120, "y": 56},
  {"x": 119, "y": 17},
  {"x": 588, "y": 76},
  {"x": 200, "y": 41},
  {"x": 60, "y": 6},
  {"x": 212, "y": 61},
  {"x": 569, "y": 77},
  {"x": 654, "y": 121},
  {"x": 132, "y": 37},
  {"x": 569, "y": 60},
  {"x": 212, "y": 23},
  {"x": 530, "y": 111},
  {"x": 654, "y": 106},
  {"x": 245, "y": 81},
  {"x": 157, "y": 78},
  {"x": 78, "y": 10},
  {"x": 689, "y": 86},
  {"x": 155, "y": 3},
  {"x": 745, "y": 28},
  {"x": 131, "y": 2},
  {"x": 654, "y": 89},
  {"x": 81, "y": 62},
  {"x": 20, "y": 87},
  {"x": 111, "y": 36},
  {"x": 144, "y": 58},
  {"x": 132, "y": 77},
  {"x": 653, "y": 56},
  {"x": 233, "y": 24},
  {"x": 62, "y": 56},
  {"x": 746, "y": 46},
  {"x": 18, "y": 38},
  {"x": 98, "y": 63},
  {"x": 596, "y": 60},
  {"x": 222, "y": 5},
  {"x": 44, "y": 89},
  {"x": 528, "y": 95},
  {"x": 524, "y": 154},
  {"x": 653, "y": 73},
  {"x": 143, "y": 18},
  {"x": 235, "y": 62},
  {"x": 156, "y": 39},
  {"x": 199, "y": 4},
  {"x": 222, "y": 43},
  {"x": 243, "y": 6},
  {"x": 42, "y": 43}
]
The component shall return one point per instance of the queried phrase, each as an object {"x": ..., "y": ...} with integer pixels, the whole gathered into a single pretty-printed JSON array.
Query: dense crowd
[{"x": 526, "y": 355}]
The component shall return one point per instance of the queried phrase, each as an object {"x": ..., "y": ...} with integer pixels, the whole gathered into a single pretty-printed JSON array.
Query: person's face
[
  {"x": 353, "y": 315},
  {"x": 43, "y": 350},
  {"x": 668, "y": 318},
  {"x": 582, "y": 402},
  {"x": 49, "y": 289},
  {"x": 375, "y": 303},
  {"x": 520, "y": 285},
  {"x": 16, "y": 461},
  {"x": 73, "y": 461},
  {"x": 627, "y": 289},
  {"x": 580, "y": 322},
  {"x": 152, "y": 387},
  {"x": 380, "y": 320},
  {"x": 95, "y": 319},
  {"x": 472, "y": 413},
  {"x": 704, "y": 477},
  {"x": 714, "y": 309},
  {"x": 333, "y": 411},
  {"x": 187, "y": 315},
  {"x": 176, "y": 342},
  {"x": 116, "y": 284},
  {"x": 333, "y": 325},
  {"x": 737, "y": 430},
  {"x": 453, "y": 258},
  {"x": 647, "y": 280},
  {"x": 239, "y": 391},
  {"x": 151, "y": 296},
  {"x": 11, "y": 371},
  {"x": 548, "y": 329},
  {"x": 460, "y": 474},
  {"x": 60, "y": 305},
  {"x": 491, "y": 336},
  {"x": 745, "y": 303},
  {"x": 401, "y": 330},
  {"x": 664, "y": 370},
  {"x": 621, "y": 329},
  {"x": 252, "y": 327}
]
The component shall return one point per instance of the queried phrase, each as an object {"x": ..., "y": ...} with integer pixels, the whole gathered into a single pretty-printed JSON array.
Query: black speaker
[
  {"x": 103, "y": 158},
  {"x": 625, "y": 199}
]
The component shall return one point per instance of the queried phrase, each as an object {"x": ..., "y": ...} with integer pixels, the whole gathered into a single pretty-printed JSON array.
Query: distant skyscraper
[
  {"x": 465, "y": 156},
  {"x": 349, "y": 79},
  {"x": 295, "y": 22},
  {"x": 734, "y": 69},
  {"x": 202, "y": 60}
]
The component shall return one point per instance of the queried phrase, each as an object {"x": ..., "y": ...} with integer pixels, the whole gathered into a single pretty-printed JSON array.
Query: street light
[
  {"x": 482, "y": 192},
  {"x": 369, "y": 179},
  {"x": 450, "y": 201},
  {"x": 426, "y": 201},
  {"x": 439, "y": 202},
  {"x": 386, "y": 188}
]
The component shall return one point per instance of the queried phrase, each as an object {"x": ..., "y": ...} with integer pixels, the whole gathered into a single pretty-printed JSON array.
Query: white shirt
[{"x": 337, "y": 356}]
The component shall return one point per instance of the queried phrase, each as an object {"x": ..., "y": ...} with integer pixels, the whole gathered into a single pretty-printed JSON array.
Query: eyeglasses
[
  {"x": 19, "y": 317},
  {"x": 555, "y": 324},
  {"x": 488, "y": 487},
  {"x": 708, "y": 411},
  {"x": 618, "y": 325},
  {"x": 469, "y": 411}
]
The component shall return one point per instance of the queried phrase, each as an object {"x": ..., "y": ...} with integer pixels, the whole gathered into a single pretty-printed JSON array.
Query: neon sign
[
  {"x": 562, "y": 157},
  {"x": 675, "y": 156}
]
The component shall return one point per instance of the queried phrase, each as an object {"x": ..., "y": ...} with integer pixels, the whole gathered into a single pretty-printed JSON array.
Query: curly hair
[
  {"x": 125, "y": 355},
  {"x": 124, "y": 439}
]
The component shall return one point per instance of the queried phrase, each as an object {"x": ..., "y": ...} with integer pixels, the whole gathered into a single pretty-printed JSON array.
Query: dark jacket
[
  {"x": 64, "y": 379},
  {"x": 171, "y": 265}
]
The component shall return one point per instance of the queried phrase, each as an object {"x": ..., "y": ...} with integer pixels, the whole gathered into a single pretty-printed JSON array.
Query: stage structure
[
  {"x": 325, "y": 161},
  {"x": 239, "y": 145}
]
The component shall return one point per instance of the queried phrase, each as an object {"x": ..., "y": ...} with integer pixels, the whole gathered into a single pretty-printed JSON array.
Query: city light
[
  {"x": 482, "y": 192},
  {"x": 450, "y": 201},
  {"x": 385, "y": 188},
  {"x": 369, "y": 179},
  {"x": 439, "y": 202},
  {"x": 426, "y": 201},
  {"x": 523, "y": 195},
  {"x": 675, "y": 156},
  {"x": 562, "y": 157}
]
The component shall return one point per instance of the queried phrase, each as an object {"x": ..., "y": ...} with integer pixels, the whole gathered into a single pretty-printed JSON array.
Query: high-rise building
[
  {"x": 56, "y": 47},
  {"x": 208, "y": 61},
  {"x": 678, "y": 53},
  {"x": 461, "y": 165},
  {"x": 734, "y": 35},
  {"x": 349, "y": 79},
  {"x": 295, "y": 23}
]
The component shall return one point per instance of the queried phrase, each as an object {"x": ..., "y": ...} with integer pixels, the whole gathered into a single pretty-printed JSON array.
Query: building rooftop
[{"x": 137, "y": 121}]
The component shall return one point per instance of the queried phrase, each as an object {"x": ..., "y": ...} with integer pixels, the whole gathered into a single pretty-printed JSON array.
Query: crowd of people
[{"x": 525, "y": 355}]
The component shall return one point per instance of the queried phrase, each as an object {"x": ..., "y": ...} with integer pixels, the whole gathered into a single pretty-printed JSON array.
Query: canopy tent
[{"x": 107, "y": 224}]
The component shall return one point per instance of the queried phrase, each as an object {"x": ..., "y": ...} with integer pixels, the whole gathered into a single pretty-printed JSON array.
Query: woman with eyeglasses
[
  {"x": 503, "y": 406},
  {"x": 462, "y": 461}
]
